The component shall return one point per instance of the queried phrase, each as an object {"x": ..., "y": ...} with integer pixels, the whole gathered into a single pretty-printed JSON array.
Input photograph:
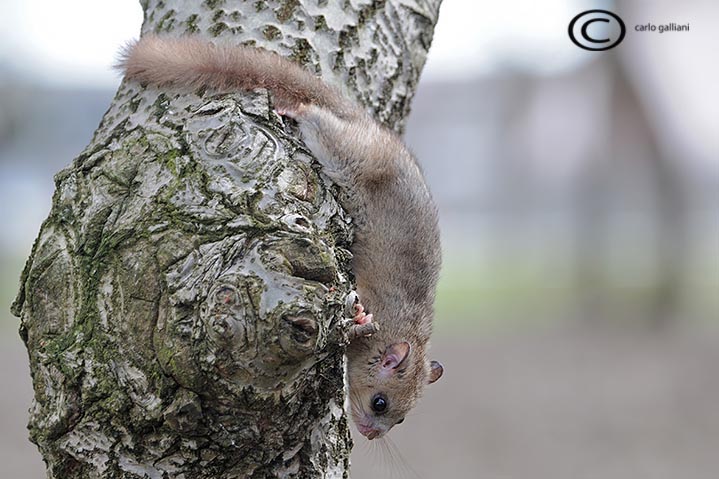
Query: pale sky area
[{"x": 72, "y": 42}]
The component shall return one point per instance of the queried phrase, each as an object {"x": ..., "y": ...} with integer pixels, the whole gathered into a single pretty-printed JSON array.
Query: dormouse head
[{"x": 382, "y": 396}]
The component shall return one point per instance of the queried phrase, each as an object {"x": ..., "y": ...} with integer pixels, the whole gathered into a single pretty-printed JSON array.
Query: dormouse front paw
[
  {"x": 360, "y": 324},
  {"x": 361, "y": 317}
]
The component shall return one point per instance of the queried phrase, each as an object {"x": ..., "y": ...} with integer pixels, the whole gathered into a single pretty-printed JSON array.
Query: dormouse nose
[{"x": 367, "y": 431}]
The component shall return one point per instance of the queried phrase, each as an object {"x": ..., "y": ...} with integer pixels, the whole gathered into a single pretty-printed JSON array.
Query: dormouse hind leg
[{"x": 325, "y": 136}]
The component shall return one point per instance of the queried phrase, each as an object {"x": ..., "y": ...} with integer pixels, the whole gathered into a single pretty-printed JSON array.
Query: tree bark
[{"x": 182, "y": 306}]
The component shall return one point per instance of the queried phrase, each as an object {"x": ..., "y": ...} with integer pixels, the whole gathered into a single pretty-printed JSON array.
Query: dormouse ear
[
  {"x": 435, "y": 371},
  {"x": 394, "y": 355}
]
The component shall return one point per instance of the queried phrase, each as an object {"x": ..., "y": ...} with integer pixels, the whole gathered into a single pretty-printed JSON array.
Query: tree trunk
[{"x": 182, "y": 304}]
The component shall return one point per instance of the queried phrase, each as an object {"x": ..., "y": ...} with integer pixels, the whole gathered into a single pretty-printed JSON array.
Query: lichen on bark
[{"x": 182, "y": 306}]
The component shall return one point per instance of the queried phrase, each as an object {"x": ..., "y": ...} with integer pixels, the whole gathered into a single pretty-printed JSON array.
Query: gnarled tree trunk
[{"x": 182, "y": 304}]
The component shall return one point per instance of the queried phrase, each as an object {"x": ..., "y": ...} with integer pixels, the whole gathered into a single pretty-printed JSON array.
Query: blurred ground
[{"x": 571, "y": 402}]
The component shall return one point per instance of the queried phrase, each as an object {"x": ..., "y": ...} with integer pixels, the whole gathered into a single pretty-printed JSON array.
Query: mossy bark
[{"x": 182, "y": 306}]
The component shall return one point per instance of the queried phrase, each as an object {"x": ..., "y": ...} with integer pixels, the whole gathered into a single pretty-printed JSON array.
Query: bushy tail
[{"x": 193, "y": 62}]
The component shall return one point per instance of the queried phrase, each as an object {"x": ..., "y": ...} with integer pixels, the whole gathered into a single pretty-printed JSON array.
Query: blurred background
[{"x": 578, "y": 311}]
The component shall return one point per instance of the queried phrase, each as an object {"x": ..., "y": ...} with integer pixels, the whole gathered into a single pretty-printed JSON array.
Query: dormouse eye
[
  {"x": 400, "y": 421},
  {"x": 379, "y": 404}
]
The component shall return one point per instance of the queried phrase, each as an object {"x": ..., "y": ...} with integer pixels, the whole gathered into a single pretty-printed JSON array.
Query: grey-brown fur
[{"x": 396, "y": 248}]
